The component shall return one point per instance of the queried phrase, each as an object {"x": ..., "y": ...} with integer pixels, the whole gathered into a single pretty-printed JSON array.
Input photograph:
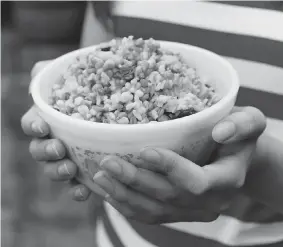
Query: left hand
[{"x": 169, "y": 188}]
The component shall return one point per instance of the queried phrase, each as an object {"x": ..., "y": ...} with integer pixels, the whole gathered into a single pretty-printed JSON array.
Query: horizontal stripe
[
  {"x": 226, "y": 44},
  {"x": 270, "y": 104},
  {"x": 111, "y": 231},
  {"x": 132, "y": 233},
  {"x": 104, "y": 241},
  {"x": 102, "y": 238},
  {"x": 208, "y": 15},
  {"x": 271, "y": 5},
  {"x": 234, "y": 232},
  {"x": 166, "y": 237},
  {"x": 259, "y": 76},
  {"x": 123, "y": 229}
]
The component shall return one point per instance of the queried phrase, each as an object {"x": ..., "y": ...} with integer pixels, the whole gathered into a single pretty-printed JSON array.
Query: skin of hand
[
  {"x": 50, "y": 153},
  {"x": 169, "y": 188},
  {"x": 169, "y": 185}
]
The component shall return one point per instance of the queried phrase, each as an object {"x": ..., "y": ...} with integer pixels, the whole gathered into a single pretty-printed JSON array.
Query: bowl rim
[{"x": 67, "y": 120}]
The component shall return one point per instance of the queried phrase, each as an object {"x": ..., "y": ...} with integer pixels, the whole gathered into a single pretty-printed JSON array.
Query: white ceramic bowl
[{"x": 87, "y": 142}]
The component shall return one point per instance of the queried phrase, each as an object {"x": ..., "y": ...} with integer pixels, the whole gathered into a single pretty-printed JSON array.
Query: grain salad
[{"x": 131, "y": 81}]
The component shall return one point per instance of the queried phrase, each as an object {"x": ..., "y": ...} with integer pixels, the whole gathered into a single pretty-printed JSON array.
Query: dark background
[{"x": 35, "y": 211}]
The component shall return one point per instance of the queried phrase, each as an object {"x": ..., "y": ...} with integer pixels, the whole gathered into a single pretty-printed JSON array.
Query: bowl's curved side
[
  {"x": 53, "y": 70},
  {"x": 87, "y": 143}
]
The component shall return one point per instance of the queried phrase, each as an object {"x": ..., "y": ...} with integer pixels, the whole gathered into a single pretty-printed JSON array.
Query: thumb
[
  {"x": 230, "y": 169},
  {"x": 244, "y": 123},
  {"x": 178, "y": 170}
]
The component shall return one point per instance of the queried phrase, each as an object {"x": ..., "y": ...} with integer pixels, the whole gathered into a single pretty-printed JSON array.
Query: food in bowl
[{"x": 131, "y": 81}]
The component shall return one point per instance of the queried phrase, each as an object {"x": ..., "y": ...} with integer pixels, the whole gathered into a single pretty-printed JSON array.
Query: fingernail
[
  {"x": 150, "y": 155},
  {"x": 224, "y": 131},
  {"x": 51, "y": 149},
  {"x": 104, "y": 182},
  {"x": 79, "y": 194},
  {"x": 64, "y": 171},
  {"x": 111, "y": 166},
  {"x": 36, "y": 128}
]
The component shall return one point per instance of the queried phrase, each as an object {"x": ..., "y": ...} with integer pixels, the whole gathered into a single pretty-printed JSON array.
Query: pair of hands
[{"x": 167, "y": 187}]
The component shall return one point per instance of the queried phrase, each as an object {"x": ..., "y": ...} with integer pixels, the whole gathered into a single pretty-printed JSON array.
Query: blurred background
[{"x": 35, "y": 211}]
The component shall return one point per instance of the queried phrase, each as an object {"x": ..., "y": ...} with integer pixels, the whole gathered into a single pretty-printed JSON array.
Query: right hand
[{"x": 50, "y": 152}]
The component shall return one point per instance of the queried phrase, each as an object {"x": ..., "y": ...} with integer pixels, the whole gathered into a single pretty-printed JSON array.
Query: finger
[
  {"x": 33, "y": 125},
  {"x": 121, "y": 193},
  {"x": 80, "y": 192},
  {"x": 180, "y": 171},
  {"x": 141, "y": 180},
  {"x": 229, "y": 171},
  {"x": 45, "y": 150},
  {"x": 39, "y": 66},
  {"x": 60, "y": 170},
  {"x": 244, "y": 123}
]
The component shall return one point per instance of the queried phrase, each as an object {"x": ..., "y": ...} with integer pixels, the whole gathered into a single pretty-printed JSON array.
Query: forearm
[{"x": 264, "y": 182}]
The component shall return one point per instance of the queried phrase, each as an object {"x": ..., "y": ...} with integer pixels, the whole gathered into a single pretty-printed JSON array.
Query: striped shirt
[{"x": 251, "y": 39}]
